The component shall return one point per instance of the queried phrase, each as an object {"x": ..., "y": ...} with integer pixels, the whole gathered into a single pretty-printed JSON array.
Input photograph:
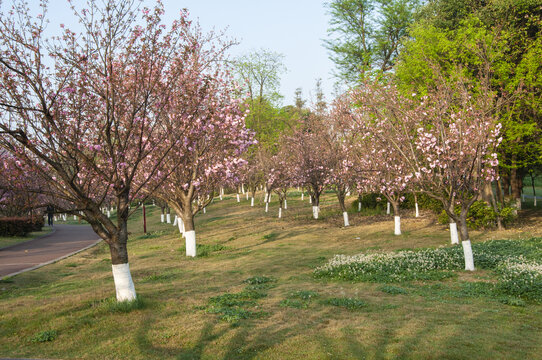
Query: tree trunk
[
  {"x": 465, "y": 242},
  {"x": 534, "y": 190},
  {"x": 453, "y": 232},
  {"x": 189, "y": 229},
  {"x": 124, "y": 285},
  {"x": 516, "y": 187},
  {"x": 506, "y": 184},
  {"x": 341, "y": 197},
  {"x": 500, "y": 195},
  {"x": 315, "y": 200},
  {"x": 397, "y": 218}
]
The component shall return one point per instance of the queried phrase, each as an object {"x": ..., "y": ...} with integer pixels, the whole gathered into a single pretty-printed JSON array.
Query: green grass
[
  {"x": 258, "y": 298},
  {"x": 13, "y": 240}
]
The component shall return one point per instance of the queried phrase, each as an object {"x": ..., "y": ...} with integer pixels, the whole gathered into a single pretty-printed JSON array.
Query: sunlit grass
[{"x": 189, "y": 308}]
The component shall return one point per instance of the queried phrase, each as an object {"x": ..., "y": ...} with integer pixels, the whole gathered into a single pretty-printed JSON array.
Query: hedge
[{"x": 20, "y": 226}]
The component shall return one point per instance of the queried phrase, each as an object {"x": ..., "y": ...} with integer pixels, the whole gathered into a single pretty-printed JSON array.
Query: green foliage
[
  {"x": 231, "y": 307},
  {"x": 294, "y": 303},
  {"x": 370, "y": 201},
  {"x": 472, "y": 37},
  {"x": 364, "y": 35},
  {"x": 304, "y": 295},
  {"x": 521, "y": 279},
  {"x": 424, "y": 202},
  {"x": 482, "y": 216},
  {"x": 259, "y": 280},
  {"x": 348, "y": 303},
  {"x": 393, "y": 290},
  {"x": 517, "y": 262},
  {"x": 44, "y": 336},
  {"x": 300, "y": 299}
]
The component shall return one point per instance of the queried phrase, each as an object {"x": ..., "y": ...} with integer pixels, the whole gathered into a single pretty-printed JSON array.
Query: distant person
[{"x": 50, "y": 213}]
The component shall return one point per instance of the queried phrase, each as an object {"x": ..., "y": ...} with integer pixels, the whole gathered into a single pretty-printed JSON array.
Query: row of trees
[
  {"x": 465, "y": 38},
  {"x": 131, "y": 108}
]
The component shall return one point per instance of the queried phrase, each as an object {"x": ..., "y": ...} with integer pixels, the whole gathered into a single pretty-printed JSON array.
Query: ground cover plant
[
  {"x": 428, "y": 319},
  {"x": 517, "y": 262}
]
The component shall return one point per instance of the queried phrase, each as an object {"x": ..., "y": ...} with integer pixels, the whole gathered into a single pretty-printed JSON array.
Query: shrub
[
  {"x": 424, "y": 202},
  {"x": 17, "y": 226},
  {"x": 37, "y": 223},
  {"x": 370, "y": 201},
  {"x": 482, "y": 216},
  {"x": 44, "y": 336}
]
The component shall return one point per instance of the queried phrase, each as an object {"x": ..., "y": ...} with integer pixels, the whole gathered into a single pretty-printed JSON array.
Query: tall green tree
[
  {"x": 259, "y": 73},
  {"x": 502, "y": 38},
  {"x": 364, "y": 35}
]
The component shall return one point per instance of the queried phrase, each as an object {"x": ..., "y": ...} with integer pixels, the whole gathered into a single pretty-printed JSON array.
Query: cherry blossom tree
[
  {"x": 210, "y": 126},
  {"x": 445, "y": 140},
  {"x": 311, "y": 160},
  {"x": 86, "y": 111}
]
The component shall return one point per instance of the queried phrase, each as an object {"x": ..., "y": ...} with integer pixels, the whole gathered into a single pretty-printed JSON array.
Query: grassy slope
[{"x": 432, "y": 321}]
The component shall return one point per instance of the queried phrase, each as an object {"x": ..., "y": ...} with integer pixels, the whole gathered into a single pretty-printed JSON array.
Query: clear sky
[{"x": 294, "y": 28}]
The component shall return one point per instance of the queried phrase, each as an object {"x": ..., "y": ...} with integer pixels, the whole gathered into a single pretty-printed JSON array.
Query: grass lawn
[
  {"x": 253, "y": 295},
  {"x": 12, "y": 240}
]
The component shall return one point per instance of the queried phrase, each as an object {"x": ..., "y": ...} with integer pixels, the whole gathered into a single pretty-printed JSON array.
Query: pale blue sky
[{"x": 294, "y": 28}]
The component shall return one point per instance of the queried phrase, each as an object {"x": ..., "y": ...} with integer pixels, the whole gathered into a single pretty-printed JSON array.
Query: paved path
[{"x": 65, "y": 241}]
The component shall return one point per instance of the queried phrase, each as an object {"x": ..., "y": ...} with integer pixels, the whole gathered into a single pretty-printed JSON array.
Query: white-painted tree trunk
[
  {"x": 175, "y": 221},
  {"x": 180, "y": 225},
  {"x": 397, "y": 225},
  {"x": 238, "y": 200},
  {"x": 315, "y": 212},
  {"x": 348, "y": 193},
  {"x": 247, "y": 195},
  {"x": 310, "y": 199},
  {"x": 124, "y": 285},
  {"x": 190, "y": 243},
  {"x": 453, "y": 233},
  {"x": 168, "y": 218},
  {"x": 266, "y": 207},
  {"x": 243, "y": 188},
  {"x": 359, "y": 206},
  {"x": 65, "y": 217},
  {"x": 417, "y": 210},
  {"x": 345, "y": 218},
  {"x": 161, "y": 218},
  {"x": 302, "y": 196},
  {"x": 204, "y": 211},
  {"x": 280, "y": 213},
  {"x": 469, "y": 259},
  {"x": 252, "y": 201},
  {"x": 388, "y": 208},
  {"x": 54, "y": 218},
  {"x": 75, "y": 217},
  {"x": 220, "y": 196},
  {"x": 285, "y": 204},
  {"x": 108, "y": 213}
]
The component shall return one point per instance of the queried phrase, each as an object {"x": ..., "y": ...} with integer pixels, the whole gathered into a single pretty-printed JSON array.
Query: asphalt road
[{"x": 65, "y": 241}]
